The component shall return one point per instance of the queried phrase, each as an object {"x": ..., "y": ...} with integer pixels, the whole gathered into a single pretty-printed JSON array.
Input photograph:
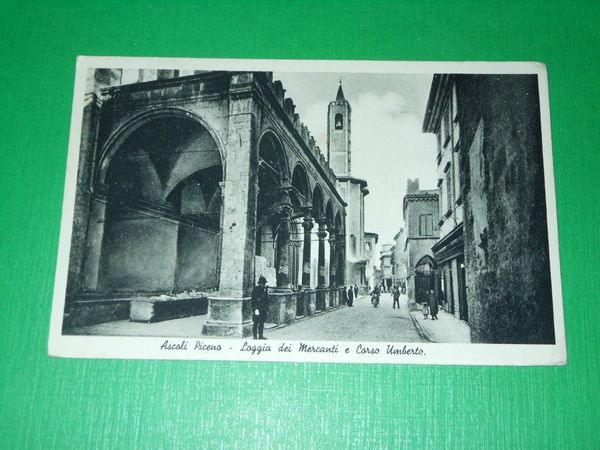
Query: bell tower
[{"x": 338, "y": 134}]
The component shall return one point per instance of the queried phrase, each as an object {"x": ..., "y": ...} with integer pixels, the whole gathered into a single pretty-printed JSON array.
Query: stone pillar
[
  {"x": 283, "y": 241},
  {"x": 219, "y": 256},
  {"x": 229, "y": 312},
  {"x": 341, "y": 259},
  {"x": 307, "y": 224},
  {"x": 84, "y": 201},
  {"x": 321, "y": 234},
  {"x": 93, "y": 245},
  {"x": 321, "y": 288},
  {"x": 332, "y": 257}
]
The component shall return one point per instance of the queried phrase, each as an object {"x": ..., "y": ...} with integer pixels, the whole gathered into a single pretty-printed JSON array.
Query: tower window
[
  {"x": 426, "y": 225},
  {"x": 339, "y": 121}
]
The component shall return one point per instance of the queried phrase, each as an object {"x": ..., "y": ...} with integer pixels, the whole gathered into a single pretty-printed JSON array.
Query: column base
[{"x": 228, "y": 317}]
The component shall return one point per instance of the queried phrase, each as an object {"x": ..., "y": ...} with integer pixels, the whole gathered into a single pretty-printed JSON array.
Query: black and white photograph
[{"x": 327, "y": 211}]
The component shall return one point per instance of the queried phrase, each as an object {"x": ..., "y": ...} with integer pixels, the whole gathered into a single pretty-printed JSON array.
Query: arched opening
[
  {"x": 300, "y": 197},
  {"x": 424, "y": 279},
  {"x": 318, "y": 214},
  {"x": 341, "y": 246},
  {"x": 330, "y": 244},
  {"x": 163, "y": 209},
  {"x": 300, "y": 185},
  {"x": 272, "y": 176},
  {"x": 353, "y": 245},
  {"x": 339, "y": 121}
]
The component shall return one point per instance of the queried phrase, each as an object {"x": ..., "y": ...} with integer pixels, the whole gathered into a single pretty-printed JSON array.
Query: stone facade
[
  {"x": 399, "y": 260},
  {"x": 353, "y": 190},
  {"x": 449, "y": 251},
  {"x": 371, "y": 255},
  {"x": 387, "y": 268},
  {"x": 185, "y": 179},
  {"x": 502, "y": 185},
  {"x": 420, "y": 209}
]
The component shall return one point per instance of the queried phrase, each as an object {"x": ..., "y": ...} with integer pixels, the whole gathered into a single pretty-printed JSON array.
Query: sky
[{"x": 388, "y": 146}]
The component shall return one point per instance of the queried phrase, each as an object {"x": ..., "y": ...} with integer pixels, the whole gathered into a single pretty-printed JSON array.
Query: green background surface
[{"x": 68, "y": 403}]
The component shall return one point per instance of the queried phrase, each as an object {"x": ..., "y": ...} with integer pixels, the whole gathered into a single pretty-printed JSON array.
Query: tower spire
[{"x": 340, "y": 93}]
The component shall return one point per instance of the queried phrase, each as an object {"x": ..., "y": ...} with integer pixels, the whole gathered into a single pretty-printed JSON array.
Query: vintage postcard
[{"x": 317, "y": 211}]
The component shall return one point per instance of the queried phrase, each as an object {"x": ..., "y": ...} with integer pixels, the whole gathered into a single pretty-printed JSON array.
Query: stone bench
[{"x": 157, "y": 309}]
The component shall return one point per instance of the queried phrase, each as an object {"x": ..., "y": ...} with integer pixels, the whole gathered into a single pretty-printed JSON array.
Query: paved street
[{"x": 362, "y": 322}]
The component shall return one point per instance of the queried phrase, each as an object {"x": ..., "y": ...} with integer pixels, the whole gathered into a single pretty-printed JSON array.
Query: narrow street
[{"x": 362, "y": 322}]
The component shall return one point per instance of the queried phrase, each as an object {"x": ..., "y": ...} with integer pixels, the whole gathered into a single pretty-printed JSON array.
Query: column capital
[
  {"x": 307, "y": 223},
  {"x": 322, "y": 232},
  {"x": 332, "y": 234}
]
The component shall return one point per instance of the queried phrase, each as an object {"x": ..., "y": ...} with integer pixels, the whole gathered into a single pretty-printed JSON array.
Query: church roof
[{"x": 340, "y": 94}]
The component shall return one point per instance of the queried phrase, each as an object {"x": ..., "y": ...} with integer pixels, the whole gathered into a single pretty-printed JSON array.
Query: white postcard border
[{"x": 232, "y": 349}]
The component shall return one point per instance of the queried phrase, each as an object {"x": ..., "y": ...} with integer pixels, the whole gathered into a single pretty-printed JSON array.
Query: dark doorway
[
  {"x": 424, "y": 280},
  {"x": 462, "y": 289}
]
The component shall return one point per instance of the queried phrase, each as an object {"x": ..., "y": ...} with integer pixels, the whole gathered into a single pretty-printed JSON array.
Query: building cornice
[
  {"x": 451, "y": 238},
  {"x": 435, "y": 103}
]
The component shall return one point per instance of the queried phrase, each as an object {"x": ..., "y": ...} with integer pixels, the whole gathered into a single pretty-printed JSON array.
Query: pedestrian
[
  {"x": 433, "y": 305},
  {"x": 355, "y": 291},
  {"x": 260, "y": 303},
  {"x": 350, "y": 296},
  {"x": 396, "y": 295},
  {"x": 425, "y": 310}
]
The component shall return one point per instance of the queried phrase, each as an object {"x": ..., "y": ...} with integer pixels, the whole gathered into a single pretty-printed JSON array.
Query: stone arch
[
  {"x": 301, "y": 184},
  {"x": 329, "y": 216},
  {"x": 353, "y": 244},
  {"x": 116, "y": 139},
  {"x": 425, "y": 279},
  {"x": 272, "y": 156},
  {"x": 161, "y": 176},
  {"x": 339, "y": 223},
  {"x": 318, "y": 209},
  {"x": 273, "y": 201},
  {"x": 426, "y": 261}
]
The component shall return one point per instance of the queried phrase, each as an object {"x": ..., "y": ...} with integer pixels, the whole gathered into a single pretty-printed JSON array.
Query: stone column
[
  {"x": 93, "y": 245},
  {"x": 307, "y": 224},
  {"x": 341, "y": 259},
  {"x": 321, "y": 234},
  {"x": 321, "y": 303},
  {"x": 283, "y": 241},
  {"x": 219, "y": 256},
  {"x": 85, "y": 206},
  {"x": 229, "y": 312},
  {"x": 332, "y": 257}
]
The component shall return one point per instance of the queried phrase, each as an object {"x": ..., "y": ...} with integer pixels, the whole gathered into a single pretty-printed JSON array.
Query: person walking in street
[
  {"x": 350, "y": 296},
  {"x": 355, "y": 291},
  {"x": 396, "y": 295},
  {"x": 375, "y": 296},
  {"x": 260, "y": 303},
  {"x": 433, "y": 305}
]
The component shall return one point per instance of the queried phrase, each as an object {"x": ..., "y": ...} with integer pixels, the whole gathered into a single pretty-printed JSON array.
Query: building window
[
  {"x": 446, "y": 126},
  {"x": 368, "y": 246},
  {"x": 426, "y": 225},
  {"x": 353, "y": 244},
  {"x": 449, "y": 188},
  {"x": 454, "y": 104},
  {"x": 339, "y": 121}
]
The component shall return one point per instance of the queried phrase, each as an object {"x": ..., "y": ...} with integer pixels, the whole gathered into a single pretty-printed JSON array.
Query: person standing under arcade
[{"x": 260, "y": 303}]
